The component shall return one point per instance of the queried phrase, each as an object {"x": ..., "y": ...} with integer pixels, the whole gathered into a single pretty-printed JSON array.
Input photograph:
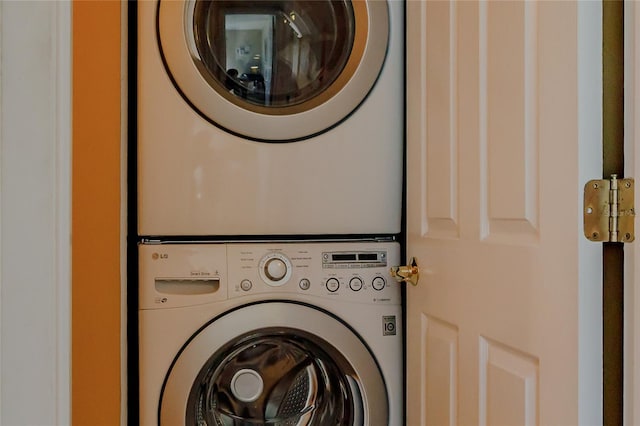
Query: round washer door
[
  {"x": 274, "y": 70},
  {"x": 274, "y": 363}
]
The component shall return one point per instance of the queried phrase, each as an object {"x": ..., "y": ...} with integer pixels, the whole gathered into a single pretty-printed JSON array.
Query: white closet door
[{"x": 504, "y": 129}]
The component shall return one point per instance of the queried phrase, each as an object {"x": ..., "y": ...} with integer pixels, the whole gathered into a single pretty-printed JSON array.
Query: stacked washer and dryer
[{"x": 270, "y": 146}]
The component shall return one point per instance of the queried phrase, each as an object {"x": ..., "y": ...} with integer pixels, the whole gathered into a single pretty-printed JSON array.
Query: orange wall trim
[{"x": 96, "y": 352}]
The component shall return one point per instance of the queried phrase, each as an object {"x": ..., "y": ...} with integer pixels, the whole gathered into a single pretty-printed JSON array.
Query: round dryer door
[
  {"x": 274, "y": 363},
  {"x": 274, "y": 70}
]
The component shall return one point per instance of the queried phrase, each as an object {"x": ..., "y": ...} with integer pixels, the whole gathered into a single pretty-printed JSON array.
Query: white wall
[
  {"x": 590, "y": 254},
  {"x": 631, "y": 252},
  {"x": 35, "y": 163}
]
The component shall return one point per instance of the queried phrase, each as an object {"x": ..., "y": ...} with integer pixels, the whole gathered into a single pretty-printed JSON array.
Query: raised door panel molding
[
  {"x": 441, "y": 117},
  {"x": 440, "y": 374},
  {"x": 508, "y": 111},
  {"x": 508, "y": 386}
]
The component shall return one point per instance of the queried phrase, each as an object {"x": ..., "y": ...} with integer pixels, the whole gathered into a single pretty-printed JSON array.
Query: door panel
[
  {"x": 498, "y": 141},
  {"x": 440, "y": 343},
  {"x": 507, "y": 72}
]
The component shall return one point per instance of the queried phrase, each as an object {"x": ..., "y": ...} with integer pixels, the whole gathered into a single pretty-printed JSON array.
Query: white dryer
[
  {"x": 270, "y": 333},
  {"x": 270, "y": 117}
]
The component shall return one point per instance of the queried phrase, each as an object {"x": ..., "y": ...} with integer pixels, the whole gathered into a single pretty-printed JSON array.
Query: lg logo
[{"x": 156, "y": 256}]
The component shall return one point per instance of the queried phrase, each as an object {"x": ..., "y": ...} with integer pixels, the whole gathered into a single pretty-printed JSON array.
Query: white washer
[
  {"x": 218, "y": 341},
  {"x": 221, "y": 153}
]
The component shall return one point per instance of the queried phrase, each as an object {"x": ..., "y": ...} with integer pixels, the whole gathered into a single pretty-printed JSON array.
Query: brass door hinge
[{"x": 609, "y": 210}]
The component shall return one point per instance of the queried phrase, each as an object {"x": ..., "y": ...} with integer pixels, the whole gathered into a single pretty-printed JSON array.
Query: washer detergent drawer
[
  {"x": 174, "y": 276},
  {"x": 187, "y": 287}
]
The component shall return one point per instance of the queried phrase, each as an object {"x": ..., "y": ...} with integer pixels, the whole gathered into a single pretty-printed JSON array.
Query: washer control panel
[
  {"x": 347, "y": 270},
  {"x": 176, "y": 275}
]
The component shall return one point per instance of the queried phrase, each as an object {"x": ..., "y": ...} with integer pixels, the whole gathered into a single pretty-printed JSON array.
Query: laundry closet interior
[{"x": 496, "y": 111}]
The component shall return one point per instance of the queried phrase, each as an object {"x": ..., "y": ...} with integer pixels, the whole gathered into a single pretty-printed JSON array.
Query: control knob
[{"x": 275, "y": 269}]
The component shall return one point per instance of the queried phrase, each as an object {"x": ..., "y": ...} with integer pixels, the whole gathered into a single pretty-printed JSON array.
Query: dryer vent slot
[{"x": 187, "y": 286}]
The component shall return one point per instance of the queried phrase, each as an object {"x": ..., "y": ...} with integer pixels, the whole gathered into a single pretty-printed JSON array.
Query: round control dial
[{"x": 275, "y": 269}]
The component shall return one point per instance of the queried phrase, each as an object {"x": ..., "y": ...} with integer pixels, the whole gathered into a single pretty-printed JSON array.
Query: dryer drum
[
  {"x": 272, "y": 53},
  {"x": 248, "y": 67},
  {"x": 275, "y": 378}
]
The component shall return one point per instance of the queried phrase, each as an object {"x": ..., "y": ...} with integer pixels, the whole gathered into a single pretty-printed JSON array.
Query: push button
[
  {"x": 355, "y": 284},
  {"x": 378, "y": 283},
  {"x": 304, "y": 284},
  {"x": 333, "y": 285},
  {"x": 246, "y": 285}
]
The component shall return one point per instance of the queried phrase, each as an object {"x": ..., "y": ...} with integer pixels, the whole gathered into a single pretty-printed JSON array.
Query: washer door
[
  {"x": 301, "y": 366},
  {"x": 274, "y": 70}
]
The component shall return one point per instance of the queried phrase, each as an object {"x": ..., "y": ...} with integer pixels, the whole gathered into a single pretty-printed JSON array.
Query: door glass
[
  {"x": 275, "y": 377},
  {"x": 272, "y": 53}
]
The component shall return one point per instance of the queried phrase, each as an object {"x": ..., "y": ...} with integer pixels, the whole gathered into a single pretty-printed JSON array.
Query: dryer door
[
  {"x": 274, "y": 363},
  {"x": 274, "y": 70}
]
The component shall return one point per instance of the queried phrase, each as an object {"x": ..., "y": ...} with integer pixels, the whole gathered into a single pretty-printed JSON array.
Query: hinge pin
[{"x": 613, "y": 210}]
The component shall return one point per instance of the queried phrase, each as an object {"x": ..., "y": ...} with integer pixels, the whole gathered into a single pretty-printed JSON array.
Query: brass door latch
[{"x": 408, "y": 273}]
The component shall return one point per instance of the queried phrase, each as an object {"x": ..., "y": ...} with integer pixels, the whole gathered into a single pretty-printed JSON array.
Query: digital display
[
  {"x": 354, "y": 259},
  {"x": 368, "y": 256},
  {"x": 343, "y": 257}
]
